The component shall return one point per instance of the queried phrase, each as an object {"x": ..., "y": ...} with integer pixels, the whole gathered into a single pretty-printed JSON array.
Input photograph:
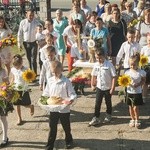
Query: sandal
[
  {"x": 19, "y": 123},
  {"x": 138, "y": 124},
  {"x": 32, "y": 110},
  {"x": 132, "y": 123}
]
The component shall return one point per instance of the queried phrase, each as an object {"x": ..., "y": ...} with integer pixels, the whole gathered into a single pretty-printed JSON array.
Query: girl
[
  {"x": 5, "y": 53},
  {"x": 134, "y": 90},
  {"x": 46, "y": 68},
  {"x": 3, "y": 78},
  {"x": 20, "y": 85},
  {"x": 49, "y": 42}
]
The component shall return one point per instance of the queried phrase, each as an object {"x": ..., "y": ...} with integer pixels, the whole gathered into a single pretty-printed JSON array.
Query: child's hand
[{"x": 67, "y": 102}]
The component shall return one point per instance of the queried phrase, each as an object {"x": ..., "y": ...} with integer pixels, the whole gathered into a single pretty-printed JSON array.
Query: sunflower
[
  {"x": 143, "y": 60},
  {"x": 124, "y": 80},
  {"x": 29, "y": 75}
]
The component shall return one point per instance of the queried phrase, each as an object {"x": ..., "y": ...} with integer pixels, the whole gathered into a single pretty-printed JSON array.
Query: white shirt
[
  {"x": 18, "y": 80},
  {"x": 70, "y": 35},
  {"x": 46, "y": 72},
  {"x": 75, "y": 51},
  {"x": 39, "y": 36},
  {"x": 127, "y": 49},
  {"x": 105, "y": 73},
  {"x": 146, "y": 52},
  {"x": 60, "y": 87},
  {"x": 136, "y": 77},
  {"x": 27, "y": 31},
  {"x": 87, "y": 10}
]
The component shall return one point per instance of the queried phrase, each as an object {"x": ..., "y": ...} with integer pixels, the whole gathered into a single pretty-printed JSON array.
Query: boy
[
  {"x": 103, "y": 78},
  {"x": 58, "y": 85},
  {"x": 46, "y": 72},
  {"x": 128, "y": 49}
]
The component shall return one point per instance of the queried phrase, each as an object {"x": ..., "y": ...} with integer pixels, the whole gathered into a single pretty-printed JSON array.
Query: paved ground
[{"x": 113, "y": 136}]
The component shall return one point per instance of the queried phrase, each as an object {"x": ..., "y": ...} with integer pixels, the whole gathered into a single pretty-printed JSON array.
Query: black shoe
[
  {"x": 4, "y": 143},
  {"x": 69, "y": 145}
]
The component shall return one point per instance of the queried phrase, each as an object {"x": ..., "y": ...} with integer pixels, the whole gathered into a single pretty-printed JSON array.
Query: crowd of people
[{"x": 58, "y": 38}]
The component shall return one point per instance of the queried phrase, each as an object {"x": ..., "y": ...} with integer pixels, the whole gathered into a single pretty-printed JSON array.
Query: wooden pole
[{"x": 48, "y": 3}]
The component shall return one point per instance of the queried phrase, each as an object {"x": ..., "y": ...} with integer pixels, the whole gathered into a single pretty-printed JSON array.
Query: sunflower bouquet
[
  {"x": 28, "y": 75},
  {"x": 8, "y": 95},
  {"x": 9, "y": 41},
  {"x": 123, "y": 81},
  {"x": 143, "y": 61}
]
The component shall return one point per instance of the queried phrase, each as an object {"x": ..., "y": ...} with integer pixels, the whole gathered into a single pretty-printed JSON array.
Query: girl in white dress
[
  {"x": 5, "y": 52},
  {"x": 4, "y": 123},
  {"x": 21, "y": 86}
]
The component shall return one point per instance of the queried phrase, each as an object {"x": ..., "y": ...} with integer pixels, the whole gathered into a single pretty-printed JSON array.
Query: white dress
[{"x": 5, "y": 53}]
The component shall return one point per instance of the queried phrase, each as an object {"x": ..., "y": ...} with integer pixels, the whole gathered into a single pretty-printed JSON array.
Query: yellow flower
[
  {"x": 124, "y": 80},
  {"x": 3, "y": 93},
  {"x": 29, "y": 75},
  {"x": 143, "y": 60}
]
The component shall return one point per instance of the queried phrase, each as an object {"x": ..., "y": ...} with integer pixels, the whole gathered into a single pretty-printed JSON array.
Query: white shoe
[
  {"x": 94, "y": 121},
  {"x": 107, "y": 118}
]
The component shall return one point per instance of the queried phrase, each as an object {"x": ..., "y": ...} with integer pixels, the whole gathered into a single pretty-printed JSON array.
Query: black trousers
[
  {"x": 31, "y": 53},
  {"x": 53, "y": 121},
  {"x": 99, "y": 97}
]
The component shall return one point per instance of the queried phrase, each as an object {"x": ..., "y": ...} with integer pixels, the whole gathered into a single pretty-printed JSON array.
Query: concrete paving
[{"x": 116, "y": 135}]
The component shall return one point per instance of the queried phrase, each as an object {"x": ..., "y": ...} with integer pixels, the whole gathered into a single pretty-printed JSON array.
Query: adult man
[{"x": 26, "y": 34}]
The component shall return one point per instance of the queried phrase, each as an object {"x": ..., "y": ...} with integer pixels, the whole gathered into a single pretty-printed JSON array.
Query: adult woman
[
  {"x": 143, "y": 28},
  {"x": 118, "y": 29},
  {"x": 59, "y": 25},
  {"x": 5, "y": 52},
  {"x": 100, "y": 7},
  {"x": 128, "y": 15},
  {"x": 102, "y": 33},
  {"x": 107, "y": 15},
  {"x": 77, "y": 13},
  {"x": 69, "y": 38}
]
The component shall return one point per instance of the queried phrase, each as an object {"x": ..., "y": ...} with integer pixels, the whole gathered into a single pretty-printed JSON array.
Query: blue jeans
[{"x": 99, "y": 97}]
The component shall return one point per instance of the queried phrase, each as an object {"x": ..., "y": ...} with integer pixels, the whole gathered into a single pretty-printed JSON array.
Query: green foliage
[{"x": 43, "y": 100}]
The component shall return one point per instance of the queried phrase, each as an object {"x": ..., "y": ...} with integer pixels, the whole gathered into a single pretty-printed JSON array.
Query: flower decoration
[
  {"x": 143, "y": 60},
  {"x": 7, "y": 97},
  {"x": 8, "y": 42},
  {"x": 29, "y": 75},
  {"x": 79, "y": 83},
  {"x": 124, "y": 80}
]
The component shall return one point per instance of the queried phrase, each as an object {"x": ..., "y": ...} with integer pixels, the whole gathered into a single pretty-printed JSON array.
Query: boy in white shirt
[
  {"x": 59, "y": 85},
  {"x": 128, "y": 49},
  {"x": 103, "y": 79}
]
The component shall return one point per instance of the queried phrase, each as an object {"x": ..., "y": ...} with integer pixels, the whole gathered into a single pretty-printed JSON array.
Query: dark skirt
[
  {"x": 24, "y": 99},
  {"x": 134, "y": 99},
  {"x": 4, "y": 111}
]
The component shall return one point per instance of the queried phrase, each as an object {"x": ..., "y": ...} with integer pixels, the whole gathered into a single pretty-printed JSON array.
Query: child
[
  {"x": 103, "y": 78},
  {"x": 40, "y": 38},
  {"x": 90, "y": 24},
  {"x": 20, "y": 85},
  {"x": 134, "y": 90},
  {"x": 49, "y": 42},
  {"x": 146, "y": 52},
  {"x": 128, "y": 49},
  {"x": 3, "y": 78},
  {"x": 46, "y": 72},
  {"x": 59, "y": 85}
]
